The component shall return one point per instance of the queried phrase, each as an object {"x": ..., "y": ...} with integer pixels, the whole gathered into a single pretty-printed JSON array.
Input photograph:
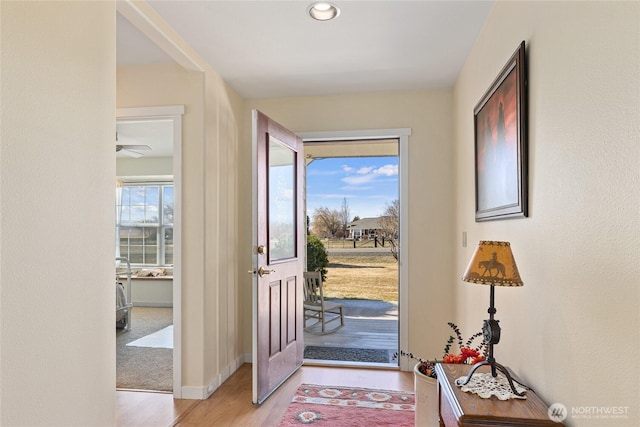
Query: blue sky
[{"x": 368, "y": 183}]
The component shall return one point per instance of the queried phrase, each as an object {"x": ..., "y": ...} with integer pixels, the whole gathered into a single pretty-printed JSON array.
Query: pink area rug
[{"x": 345, "y": 406}]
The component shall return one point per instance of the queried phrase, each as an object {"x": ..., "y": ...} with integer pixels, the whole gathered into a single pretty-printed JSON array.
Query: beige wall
[
  {"x": 144, "y": 166},
  {"x": 57, "y": 165},
  {"x": 572, "y": 330},
  {"x": 429, "y": 115},
  {"x": 210, "y": 330}
]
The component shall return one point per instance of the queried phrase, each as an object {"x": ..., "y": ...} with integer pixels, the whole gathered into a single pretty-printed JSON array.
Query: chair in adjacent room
[{"x": 317, "y": 310}]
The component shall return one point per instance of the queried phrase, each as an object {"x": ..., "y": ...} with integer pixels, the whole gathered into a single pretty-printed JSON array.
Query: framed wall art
[{"x": 500, "y": 127}]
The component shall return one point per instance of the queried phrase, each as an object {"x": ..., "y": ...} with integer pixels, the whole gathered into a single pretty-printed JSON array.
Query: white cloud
[
  {"x": 358, "y": 179},
  {"x": 348, "y": 169},
  {"x": 388, "y": 170},
  {"x": 365, "y": 170},
  {"x": 367, "y": 174}
]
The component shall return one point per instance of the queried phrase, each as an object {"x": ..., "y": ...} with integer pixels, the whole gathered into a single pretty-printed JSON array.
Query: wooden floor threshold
[
  {"x": 350, "y": 364},
  {"x": 135, "y": 390},
  {"x": 183, "y": 415}
]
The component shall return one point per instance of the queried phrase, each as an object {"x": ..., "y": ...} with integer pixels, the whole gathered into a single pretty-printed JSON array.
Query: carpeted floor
[
  {"x": 346, "y": 406},
  {"x": 347, "y": 354},
  {"x": 144, "y": 368}
]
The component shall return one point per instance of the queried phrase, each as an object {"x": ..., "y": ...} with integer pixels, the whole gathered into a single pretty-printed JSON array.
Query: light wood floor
[
  {"x": 230, "y": 405},
  {"x": 145, "y": 409}
]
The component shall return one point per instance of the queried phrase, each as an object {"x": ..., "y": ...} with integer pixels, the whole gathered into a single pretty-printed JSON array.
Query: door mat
[
  {"x": 372, "y": 355},
  {"x": 347, "y": 406}
]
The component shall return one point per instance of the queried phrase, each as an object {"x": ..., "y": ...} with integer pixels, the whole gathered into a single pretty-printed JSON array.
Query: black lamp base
[
  {"x": 495, "y": 367},
  {"x": 491, "y": 335}
]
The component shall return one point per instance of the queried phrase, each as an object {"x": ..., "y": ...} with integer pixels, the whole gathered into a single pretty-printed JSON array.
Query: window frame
[{"x": 160, "y": 227}]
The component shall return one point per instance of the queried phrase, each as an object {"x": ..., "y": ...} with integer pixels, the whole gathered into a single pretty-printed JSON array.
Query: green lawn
[{"x": 362, "y": 277}]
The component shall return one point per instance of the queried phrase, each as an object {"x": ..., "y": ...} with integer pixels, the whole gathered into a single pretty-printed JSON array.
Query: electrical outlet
[{"x": 464, "y": 239}]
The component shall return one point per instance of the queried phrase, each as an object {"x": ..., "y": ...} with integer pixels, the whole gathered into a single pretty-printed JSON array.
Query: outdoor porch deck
[{"x": 368, "y": 325}]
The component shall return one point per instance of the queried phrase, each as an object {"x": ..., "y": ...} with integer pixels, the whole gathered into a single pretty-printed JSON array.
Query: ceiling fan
[{"x": 131, "y": 150}]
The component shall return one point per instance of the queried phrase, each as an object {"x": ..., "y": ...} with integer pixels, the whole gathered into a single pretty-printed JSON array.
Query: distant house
[{"x": 365, "y": 228}]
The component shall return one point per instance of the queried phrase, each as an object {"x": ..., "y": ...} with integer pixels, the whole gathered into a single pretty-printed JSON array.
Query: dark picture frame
[{"x": 500, "y": 129}]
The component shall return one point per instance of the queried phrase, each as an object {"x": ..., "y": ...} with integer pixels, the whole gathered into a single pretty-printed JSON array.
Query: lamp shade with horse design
[{"x": 493, "y": 264}]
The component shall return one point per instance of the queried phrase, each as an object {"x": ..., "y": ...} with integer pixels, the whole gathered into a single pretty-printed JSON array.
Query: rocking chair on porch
[{"x": 316, "y": 308}]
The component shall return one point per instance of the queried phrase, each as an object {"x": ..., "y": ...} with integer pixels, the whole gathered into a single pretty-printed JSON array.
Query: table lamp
[{"x": 492, "y": 264}]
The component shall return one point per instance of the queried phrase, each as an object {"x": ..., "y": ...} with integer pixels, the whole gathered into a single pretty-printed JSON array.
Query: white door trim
[
  {"x": 402, "y": 134},
  {"x": 175, "y": 113}
]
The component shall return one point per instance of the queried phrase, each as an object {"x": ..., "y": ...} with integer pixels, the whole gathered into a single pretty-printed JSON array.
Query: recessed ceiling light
[{"x": 323, "y": 11}]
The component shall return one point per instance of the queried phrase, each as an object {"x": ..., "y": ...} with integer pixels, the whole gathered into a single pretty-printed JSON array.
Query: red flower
[
  {"x": 454, "y": 358},
  {"x": 466, "y": 355},
  {"x": 469, "y": 352}
]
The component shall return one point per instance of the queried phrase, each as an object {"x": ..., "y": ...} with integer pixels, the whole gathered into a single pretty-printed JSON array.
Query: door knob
[{"x": 262, "y": 271}]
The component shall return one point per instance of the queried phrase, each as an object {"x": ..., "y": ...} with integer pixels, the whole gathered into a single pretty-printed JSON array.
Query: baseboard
[
  {"x": 195, "y": 393},
  {"x": 202, "y": 393},
  {"x": 153, "y": 304}
]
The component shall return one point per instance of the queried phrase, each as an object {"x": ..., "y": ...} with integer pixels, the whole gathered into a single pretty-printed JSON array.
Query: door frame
[
  {"x": 402, "y": 135},
  {"x": 174, "y": 113}
]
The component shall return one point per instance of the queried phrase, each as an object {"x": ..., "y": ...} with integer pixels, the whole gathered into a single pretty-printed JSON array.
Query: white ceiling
[
  {"x": 271, "y": 49},
  {"x": 157, "y": 134}
]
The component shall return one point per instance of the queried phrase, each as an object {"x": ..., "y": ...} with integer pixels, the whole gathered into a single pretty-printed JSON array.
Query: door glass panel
[{"x": 282, "y": 207}]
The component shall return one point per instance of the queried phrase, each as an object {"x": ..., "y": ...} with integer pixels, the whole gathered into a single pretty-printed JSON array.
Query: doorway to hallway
[{"x": 148, "y": 210}]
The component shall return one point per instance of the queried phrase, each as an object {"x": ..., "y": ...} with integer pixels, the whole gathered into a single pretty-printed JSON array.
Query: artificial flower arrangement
[{"x": 468, "y": 354}]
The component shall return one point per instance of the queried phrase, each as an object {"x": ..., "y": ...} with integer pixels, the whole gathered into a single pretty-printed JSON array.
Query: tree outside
[
  {"x": 326, "y": 223},
  {"x": 390, "y": 225},
  {"x": 344, "y": 216}
]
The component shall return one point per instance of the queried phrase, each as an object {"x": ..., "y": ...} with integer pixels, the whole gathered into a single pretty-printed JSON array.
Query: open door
[{"x": 278, "y": 239}]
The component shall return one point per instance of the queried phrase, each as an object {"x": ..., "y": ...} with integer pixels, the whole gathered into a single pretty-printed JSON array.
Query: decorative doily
[{"x": 485, "y": 386}]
